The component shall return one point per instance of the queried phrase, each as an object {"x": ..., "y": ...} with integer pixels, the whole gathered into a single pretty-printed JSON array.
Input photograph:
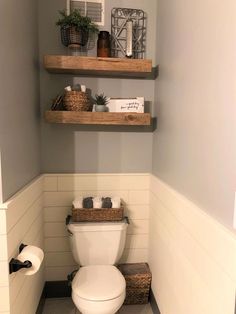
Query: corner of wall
[{"x": 1, "y": 193}]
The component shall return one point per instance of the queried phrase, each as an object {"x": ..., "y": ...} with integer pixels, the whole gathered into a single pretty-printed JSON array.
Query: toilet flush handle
[
  {"x": 68, "y": 219},
  {"x": 127, "y": 220},
  {"x": 70, "y": 233}
]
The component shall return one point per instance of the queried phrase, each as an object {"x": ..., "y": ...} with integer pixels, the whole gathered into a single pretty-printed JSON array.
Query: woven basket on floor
[
  {"x": 94, "y": 214},
  {"x": 136, "y": 296},
  {"x": 138, "y": 282},
  {"x": 76, "y": 101}
]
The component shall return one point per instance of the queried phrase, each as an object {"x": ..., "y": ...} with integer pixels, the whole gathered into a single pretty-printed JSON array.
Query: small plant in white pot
[{"x": 101, "y": 102}]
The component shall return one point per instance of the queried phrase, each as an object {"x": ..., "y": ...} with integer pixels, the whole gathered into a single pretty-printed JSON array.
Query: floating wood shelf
[
  {"x": 98, "y": 118},
  {"x": 101, "y": 67}
]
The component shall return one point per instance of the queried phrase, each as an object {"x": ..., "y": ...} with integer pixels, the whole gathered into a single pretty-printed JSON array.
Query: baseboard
[
  {"x": 53, "y": 289},
  {"x": 41, "y": 302},
  {"x": 57, "y": 289},
  {"x": 153, "y": 304}
]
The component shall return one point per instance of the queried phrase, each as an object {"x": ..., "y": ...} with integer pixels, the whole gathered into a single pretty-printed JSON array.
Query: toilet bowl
[{"x": 98, "y": 289}]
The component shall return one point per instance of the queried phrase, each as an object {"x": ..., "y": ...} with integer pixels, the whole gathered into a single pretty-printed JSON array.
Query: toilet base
[{"x": 98, "y": 307}]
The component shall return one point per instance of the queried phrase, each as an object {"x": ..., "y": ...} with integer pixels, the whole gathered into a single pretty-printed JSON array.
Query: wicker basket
[
  {"x": 136, "y": 296},
  {"x": 94, "y": 214},
  {"x": 138, "y": 282},
  {"x": 71, "y": 36},
  {"x": 76, "y": 101}
]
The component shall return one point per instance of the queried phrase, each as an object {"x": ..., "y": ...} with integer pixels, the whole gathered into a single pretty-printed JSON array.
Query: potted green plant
[
  {"x": 75, "y": 28},
  {"x": 101, "y": 102}
]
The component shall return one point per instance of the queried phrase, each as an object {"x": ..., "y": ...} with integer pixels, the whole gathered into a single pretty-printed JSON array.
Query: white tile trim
[{"x": 25, "y": 189}]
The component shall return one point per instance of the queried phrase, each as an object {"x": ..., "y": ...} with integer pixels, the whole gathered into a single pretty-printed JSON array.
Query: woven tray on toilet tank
[
  {"x": 138, "y": 282},
  {"x": 94, "y": 214}
]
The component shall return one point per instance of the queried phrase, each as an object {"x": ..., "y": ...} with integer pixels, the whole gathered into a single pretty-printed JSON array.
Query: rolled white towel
[
  {"x": 97, "y": 202},
  {"x": 78, "y": 202},
  {"x": 83, "y": 88},
  {"x": 115, "y": 202},
  {"x": 68, "y": 88}
]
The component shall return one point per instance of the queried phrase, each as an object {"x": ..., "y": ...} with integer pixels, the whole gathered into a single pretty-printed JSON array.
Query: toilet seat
[{"x": 98, "y": 283}]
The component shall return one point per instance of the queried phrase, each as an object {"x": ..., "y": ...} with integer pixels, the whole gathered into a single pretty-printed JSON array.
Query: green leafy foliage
[
  {"x": 101, "y": 100},
  {"x": 76, "y": 19}
]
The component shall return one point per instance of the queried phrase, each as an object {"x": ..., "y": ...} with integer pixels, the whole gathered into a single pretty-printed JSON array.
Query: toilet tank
[{"x": 97, "y": 243}]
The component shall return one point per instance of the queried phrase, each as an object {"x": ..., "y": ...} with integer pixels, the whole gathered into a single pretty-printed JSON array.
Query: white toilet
[{"x": 98, "y": 287}]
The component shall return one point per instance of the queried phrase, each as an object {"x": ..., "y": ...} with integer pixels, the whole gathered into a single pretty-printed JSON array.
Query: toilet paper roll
[{"x": 33, "y": 254}]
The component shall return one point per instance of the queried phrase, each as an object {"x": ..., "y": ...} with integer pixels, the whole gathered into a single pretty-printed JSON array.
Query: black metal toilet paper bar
[{"x": 16, "y": 265}]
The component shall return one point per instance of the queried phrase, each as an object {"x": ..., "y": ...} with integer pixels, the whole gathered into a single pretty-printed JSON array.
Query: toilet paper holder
[{"x": 16, "y": 265}]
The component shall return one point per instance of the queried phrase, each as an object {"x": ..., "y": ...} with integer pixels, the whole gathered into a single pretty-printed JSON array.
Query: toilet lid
[{"x": 98, "y": 283}]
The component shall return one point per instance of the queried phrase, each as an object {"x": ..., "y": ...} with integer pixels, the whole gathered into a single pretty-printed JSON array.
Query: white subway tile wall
[
  {"x": 192, "y": 256},
  {"x": 5, "y": 303},
  {"x": 3, "y": 225},
  {"x": 4, "y": 277},
  {"x": 59, "y": 192},
  {"x": 21, "y": 218}
]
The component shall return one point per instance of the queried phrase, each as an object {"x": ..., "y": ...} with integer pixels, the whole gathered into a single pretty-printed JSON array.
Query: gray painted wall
[
  {"x": 19, "y": 90},
  {"x": 84, "y": 149},
  {"x": 194, "y": 148}
]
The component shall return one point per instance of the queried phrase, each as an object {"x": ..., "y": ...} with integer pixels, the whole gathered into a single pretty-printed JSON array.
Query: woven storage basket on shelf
[
  {"x": 94, "y": 214},
  {"x": 138, "y": 282},
  {"x": 76, "y": 101},
  {"x": 71, "y": 36}
]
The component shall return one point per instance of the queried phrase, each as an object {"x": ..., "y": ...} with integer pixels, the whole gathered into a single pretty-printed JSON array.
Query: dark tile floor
[{"x": 66, "y": 306}]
